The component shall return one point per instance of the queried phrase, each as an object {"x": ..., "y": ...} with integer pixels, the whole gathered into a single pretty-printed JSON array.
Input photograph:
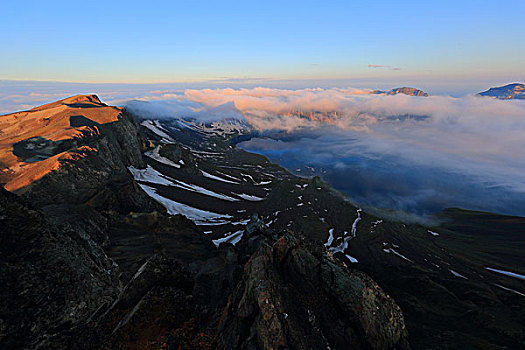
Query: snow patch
[
  {"x": 351, "y": 258},
  {"x": 154, "y": 154},
  {"x": 202, "y": 190},
  {"x": 330, "y": 238},
  {"x": 150, "y": 175},
  {"x": 199, "y": 216},
  {"x": 140, "y": 270},
  {"x": 509, "y": 289},
  {"x": 263, "y": 183},
  {"x": 234, "y": 238},
  {"x": 156, "y": 127},
  {"x": 213, "y": 177},
  {"x": 507, "y": 273},
  {"x": 391, "y": 250},
  {"x": 249, "y": 197},
  {"x": 354, "y": 225},
  {"x": 248, "y": 176},
  {"x": 457, "y": 274}
]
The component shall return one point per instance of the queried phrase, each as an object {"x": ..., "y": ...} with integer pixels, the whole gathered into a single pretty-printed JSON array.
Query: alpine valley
[{"x": 124, "y": 231}]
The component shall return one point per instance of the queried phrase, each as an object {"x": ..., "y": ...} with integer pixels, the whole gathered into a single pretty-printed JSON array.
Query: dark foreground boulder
[{"x": 295, "y": 295}]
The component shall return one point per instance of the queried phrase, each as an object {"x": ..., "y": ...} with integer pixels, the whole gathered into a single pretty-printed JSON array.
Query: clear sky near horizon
[{"x": 174, "y": 41}]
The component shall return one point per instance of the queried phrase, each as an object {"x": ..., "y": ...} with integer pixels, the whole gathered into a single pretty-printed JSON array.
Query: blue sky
[{"x": 174, "y": 41}]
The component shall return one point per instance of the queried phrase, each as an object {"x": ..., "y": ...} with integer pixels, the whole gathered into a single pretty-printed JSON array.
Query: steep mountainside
[
  {"x": 92, "y": 258},
  {"x": 514, "y": 91}
]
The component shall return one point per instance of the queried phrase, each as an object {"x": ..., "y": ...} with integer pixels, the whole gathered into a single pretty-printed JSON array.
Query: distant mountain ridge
[
  {"x": 514, "y": 91},
  {"x": 410, "y": 91}
]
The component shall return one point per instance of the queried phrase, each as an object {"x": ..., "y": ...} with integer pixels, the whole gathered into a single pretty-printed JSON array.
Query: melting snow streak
[
  {"x": 507, "y": 273},
  {"x": 199, "y": 216},
  {"x": 354, "y": 225}
]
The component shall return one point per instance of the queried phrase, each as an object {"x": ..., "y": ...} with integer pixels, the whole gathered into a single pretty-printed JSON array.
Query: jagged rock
[
  {"x": 296, "y": 295},
  {"x": 156, "y": 302},
  {"x": 217, "y": 278},
  {"x": 255, "y": 224},
  {"x": 52, "y": 278}
]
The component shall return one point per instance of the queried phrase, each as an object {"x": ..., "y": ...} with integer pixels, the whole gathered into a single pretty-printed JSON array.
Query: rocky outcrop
[
  {"x": 514, "y": 91},
  {"x": 52, "y": 278},
  {"x": 34, "y": 143},
  {"x": 99, "y": 175},
  {"x": 294, "y": 294},
  {"x": 410, "y": 91}
]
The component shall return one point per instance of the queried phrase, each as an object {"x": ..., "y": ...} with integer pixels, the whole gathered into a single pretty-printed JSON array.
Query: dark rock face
[
  {"x": 514, "y": 91},
  {"x": 296, "y": 295},
  {"x": 52, "y": 279}
]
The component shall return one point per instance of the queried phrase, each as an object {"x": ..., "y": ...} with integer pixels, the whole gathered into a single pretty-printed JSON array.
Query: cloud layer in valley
[
  {"x": 418, "y": 154},
  {"x": 410, "y": 153}
]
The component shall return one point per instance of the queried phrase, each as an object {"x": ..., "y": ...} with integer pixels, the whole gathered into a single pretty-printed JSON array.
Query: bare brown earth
[{"x": 53, "y": 123}]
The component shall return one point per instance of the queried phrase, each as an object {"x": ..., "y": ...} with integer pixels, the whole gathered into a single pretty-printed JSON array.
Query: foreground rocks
[
  {"x": 294, "y": 294},
  {"x": 51, "y": 278},
  {"x": 60, "y": 290}
]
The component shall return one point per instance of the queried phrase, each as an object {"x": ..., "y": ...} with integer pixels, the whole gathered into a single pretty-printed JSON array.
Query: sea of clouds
[{"x": 414, "y": 154}]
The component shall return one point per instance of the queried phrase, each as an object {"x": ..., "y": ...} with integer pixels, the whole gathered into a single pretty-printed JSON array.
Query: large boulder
[{"x": 295, "y": 295}]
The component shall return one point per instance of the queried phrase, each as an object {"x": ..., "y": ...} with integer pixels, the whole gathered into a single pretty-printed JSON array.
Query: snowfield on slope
[
  {"x": 154, "y": 154},
  {"x": 150, "y": 175},
  {"x": 199, "y": 216},
  {"x": 156, "y": 127}
]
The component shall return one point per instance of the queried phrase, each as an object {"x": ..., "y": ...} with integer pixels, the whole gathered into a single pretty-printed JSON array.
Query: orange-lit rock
[{"x": 49, "y": 135}]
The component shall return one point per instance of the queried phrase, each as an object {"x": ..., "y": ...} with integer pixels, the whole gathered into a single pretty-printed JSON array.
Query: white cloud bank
[
  {"x": 443, "y": 151},
  {"x": 464, "y": 151}
]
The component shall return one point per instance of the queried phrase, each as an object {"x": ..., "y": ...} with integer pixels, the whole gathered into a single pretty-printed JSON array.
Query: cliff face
[
  {"x": 98, "y": 176},
  {"x": 295, "y": 288},
  {"x": 52, "y": 277},
  {"x": 89, "y": 260}
]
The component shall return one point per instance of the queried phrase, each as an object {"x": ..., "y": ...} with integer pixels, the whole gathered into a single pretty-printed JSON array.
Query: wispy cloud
[
  {"x": 237, "y": 80},
  {"x": 375, "y": 66}
]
